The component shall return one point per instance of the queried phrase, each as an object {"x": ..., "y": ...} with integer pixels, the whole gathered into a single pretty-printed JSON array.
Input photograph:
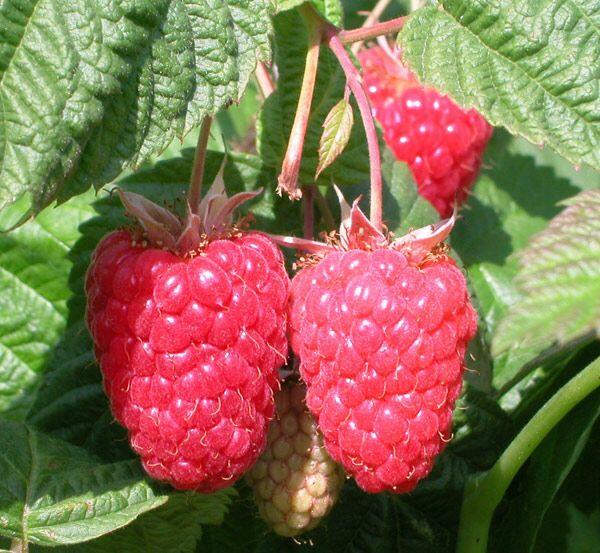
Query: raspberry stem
[
  {"x": 309, "y": 211},
  {"x": 264, "y": 80},
  {"x": 325, "y": 210},
  {"x": 484, "y": 492},
  {"x": 371, "y": 19},
  {"x": 19, "y": 546},
  {"x": 288, "y": 179},
  {"x": 372, "y": 31},
  {"x": 195, "y": 189},
  {"x": 355, "y": 83}
]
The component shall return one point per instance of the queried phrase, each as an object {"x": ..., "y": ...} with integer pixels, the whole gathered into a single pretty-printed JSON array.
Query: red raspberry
[
  {"x": 442, "y": 143},
  {"x": 189, "y": 349},
  {"x": 381, "y": 341}
]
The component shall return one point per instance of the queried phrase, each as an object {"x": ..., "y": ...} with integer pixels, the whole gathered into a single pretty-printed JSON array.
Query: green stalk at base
[{"x": 484, "y": 492}]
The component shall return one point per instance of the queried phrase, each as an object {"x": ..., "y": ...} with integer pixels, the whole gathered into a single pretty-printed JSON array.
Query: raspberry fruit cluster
[
  {"x": 189, "y": 349},
  {"x": 381, "y": 335},
  {"x": 442, "y": 144}
]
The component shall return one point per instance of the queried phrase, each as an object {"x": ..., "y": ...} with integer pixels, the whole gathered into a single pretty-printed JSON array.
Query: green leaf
[
  {"x": 559, "y": 281},
  {"x": 275, "y": 120},
  {"x": 53, "y": 493},
  {"x": 175, "y": 527},
  {"x": 530, "y": 67},
  {"x": 404, "y": 208},
  {"x": 331, "y": 10},
  {"x": 418, "y": 532},
  {"x": 336, "y": 133},
  {"x": 34, "y": 269},
  {"x": 515, "y": 196},
  {"x": 568, "y": 530},
  {"x": 546, "y": 471},
  {"x": 241, "y": 530},
  {"x": 585, "y": 534},
  {"x": 88, "y": 88}
]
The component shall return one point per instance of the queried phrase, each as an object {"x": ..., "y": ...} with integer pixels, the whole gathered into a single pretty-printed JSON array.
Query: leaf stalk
[
  {"x": 372, "y": 31},
  {"x": 264, "y": 80},
  {"x": 290, "y": 169},
  {"x": 484, "y": 492}
]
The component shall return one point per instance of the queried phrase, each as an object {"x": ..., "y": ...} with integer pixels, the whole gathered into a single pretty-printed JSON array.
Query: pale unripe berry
[{"x": 295, "y": 482}]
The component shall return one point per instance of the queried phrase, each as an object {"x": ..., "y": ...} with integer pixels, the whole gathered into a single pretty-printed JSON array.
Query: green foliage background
[{"x": 93, "y": 93}]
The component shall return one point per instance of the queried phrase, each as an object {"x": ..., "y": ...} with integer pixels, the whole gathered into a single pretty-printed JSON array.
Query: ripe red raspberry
[
  {"x": 295, "y": 481},
  {"x": 381, "y": 334},
  {"x": 189, "y": 349},
  {"x": 442, "y": 143}
]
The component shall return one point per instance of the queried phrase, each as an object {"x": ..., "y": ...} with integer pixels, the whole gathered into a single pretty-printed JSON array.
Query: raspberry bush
[{"x": 375, "y": 294}]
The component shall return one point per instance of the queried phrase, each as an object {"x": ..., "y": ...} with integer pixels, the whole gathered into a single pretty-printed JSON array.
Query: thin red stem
[
  {"x": 290, "y": 169},
  {"x": 355, "y": 83},
  {"x": 308, "y": 207},
  {"x": 195, "y": 189},
  {"x": 373, "y": 31},
  {"x": 372, "y": 18}
]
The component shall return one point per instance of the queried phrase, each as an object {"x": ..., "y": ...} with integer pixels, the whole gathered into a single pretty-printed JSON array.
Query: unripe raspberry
[{"x": 295, "y": 482}]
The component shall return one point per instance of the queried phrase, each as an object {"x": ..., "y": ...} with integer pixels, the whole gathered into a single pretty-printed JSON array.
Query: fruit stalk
[
  {"x": 309, "y": 211},
  {"x": 371, "y": 19},
  {"x": 324, "y": 209},
  {"x": 355, "y": 83},
  {"x": 484, "y": 492},
  {"x": 195, "y": 189},
  {"x": 288, "y": 179},
  {"x": 372, "y": 31}
]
